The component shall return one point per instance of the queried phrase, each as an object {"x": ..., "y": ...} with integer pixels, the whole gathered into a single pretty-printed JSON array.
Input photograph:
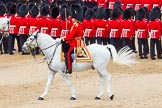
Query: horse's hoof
[
  {"x": 112, "y": 97},
  {"x": 40, "y": 98},
  {"x": 97, "y": 98},
  {"x": 72, "y": 98}
]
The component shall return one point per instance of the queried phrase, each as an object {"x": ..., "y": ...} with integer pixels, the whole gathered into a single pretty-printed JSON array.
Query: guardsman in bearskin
[
  {"x": 154, "y": 27},
  {"x": 33, "y": 20},
  {"x": 100, "y": 27},
  {"x": 5, "y": 39},
  {"x": 127, "y": 28},
  {"x": 115, "y": 28},
  {"x": 65, "y": 23},
  {"x": 23, "y": 25},
  {"x": 55, "y": 23},
  {"x": 13, "y": 30},
  {"x": 88, "y": 27},
  {"x": 107, "y": 12},
  {"x": 142, "y": 33},
  {"x": 44, "y": 20},
  {"x": 75, "y": 35}
]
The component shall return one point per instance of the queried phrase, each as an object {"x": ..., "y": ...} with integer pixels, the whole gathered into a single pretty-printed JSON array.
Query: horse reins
[{"x": 57, "y": 44}]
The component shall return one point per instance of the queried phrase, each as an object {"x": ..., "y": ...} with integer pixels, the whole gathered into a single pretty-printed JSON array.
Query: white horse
[
  {"x": 4, "y": 27},
  {"x": 100, "y": 55}
]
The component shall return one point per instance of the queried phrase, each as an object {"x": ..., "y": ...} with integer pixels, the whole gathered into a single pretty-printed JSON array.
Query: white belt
[
  {"x": 154, "y": 30},
  {"x": 146, "y": 5},
  {"x": 12, "y": 26},
  {"x": 44, "y": 28},
  {"x": 114, "y": 29},
  {"x": 125, "y": 29},
  {"x": 64, "y": 30},
  {"x": 53, "y": 29},
  {"x": 22, "y": 27},
  {"x": 141, "y": 30},
  {"x": 33, "y": 27},
  {"x": 154, "y": 5},
  {"x": 100, "y": 29}
]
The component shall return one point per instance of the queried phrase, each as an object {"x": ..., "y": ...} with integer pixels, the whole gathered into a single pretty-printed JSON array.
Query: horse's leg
[
  {"x": 102, "y": 85},
  {"x": 51, "y": 75},
  {"x": 66, "y": 78},
  {"x": 104, "y": 75},
  {"x": 108, "y": 79}
]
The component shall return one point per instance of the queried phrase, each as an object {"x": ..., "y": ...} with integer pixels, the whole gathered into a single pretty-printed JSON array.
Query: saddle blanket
[{"x": 82, "y": 55}]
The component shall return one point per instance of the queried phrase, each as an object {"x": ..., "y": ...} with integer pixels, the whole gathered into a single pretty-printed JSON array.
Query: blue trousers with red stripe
[{"x": 68, "y": 58}]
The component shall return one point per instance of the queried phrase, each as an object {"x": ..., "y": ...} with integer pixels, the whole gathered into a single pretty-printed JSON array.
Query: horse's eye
[{"x": 31, "y": 39}]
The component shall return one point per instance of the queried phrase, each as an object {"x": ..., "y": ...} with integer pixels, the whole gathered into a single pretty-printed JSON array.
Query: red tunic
[
  {"x": 88, "y": 27},
  {"x": 45, "y": 25},
  {"x": 23, "y": 25},
  {"x": 64, "y": 27},
  {"x": 75, "y": 33},
  {"x": 141, "y": 26},
  {"x": 101, "y": 3},
  {"x": 55, "y": 28},
  {"x": 114, "y": 28},
  {"x": 100, "y": 27},
  {"x": 154, "y": 29},
  {"x": 13, "y": 29},
  {"x": 127, "y": 28},
  {"x": 33, "y": 25}
]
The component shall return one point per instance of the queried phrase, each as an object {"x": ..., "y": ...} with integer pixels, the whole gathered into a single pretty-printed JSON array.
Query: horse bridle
[{"x": 33, "y": 54}]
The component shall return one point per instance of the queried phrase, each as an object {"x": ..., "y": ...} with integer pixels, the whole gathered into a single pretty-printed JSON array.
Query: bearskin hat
[
  {"x": 76, "y": 11},
  {"x": 8, "y": 5},
  {"x": 34, "y": 11},
  {"x": 64, "y": 14},
  {"x": 63, "y": 6},
  {"x": 158, "y": 9},
  {"x": 52, "y": 5},
  {"x": 23, "y": 10},
  {"x": 89, "y": 14},
  {"x": 12, "y": 9},
  {"x": 2, "y": 9},
  {"x": 154, "y": 14},
  {"x": 116, "y": 13},
  {"x": 106, "y": 13},
  {"x": 30, "y": 5},
  {"x": 54, "y": 12},
  {"x": 146, "y": 11},
  {"x": 100, "y": 13},
  {"x": 127, "y": 14},
  {"x": 84, "y": 10},
  {"x": 18, "y": 6},
  {"x": 94, "y": 9},
  {"x": 44, "y": 11},
  {"x": 141, "y": 14}
]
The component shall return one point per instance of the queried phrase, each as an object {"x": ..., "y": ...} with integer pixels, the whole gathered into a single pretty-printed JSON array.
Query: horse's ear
[{"x": 36, "y": 33}]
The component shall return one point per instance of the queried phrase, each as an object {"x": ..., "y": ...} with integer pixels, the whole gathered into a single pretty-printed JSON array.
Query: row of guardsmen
[
  {"x": 102, "y": 26},
  {"x": 135, "y": 4}
]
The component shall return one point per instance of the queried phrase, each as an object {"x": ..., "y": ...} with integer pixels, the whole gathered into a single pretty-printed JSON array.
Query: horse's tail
[{"x": 125, "y": 56}]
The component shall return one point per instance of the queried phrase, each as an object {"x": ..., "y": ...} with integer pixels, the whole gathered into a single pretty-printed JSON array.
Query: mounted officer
[{"x": 74, "y": 36}]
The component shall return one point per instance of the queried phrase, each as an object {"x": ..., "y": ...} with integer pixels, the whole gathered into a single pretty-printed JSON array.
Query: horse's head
[
  {"x": 31, "y": 42},
  {"x": 4, "y": 26}
]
